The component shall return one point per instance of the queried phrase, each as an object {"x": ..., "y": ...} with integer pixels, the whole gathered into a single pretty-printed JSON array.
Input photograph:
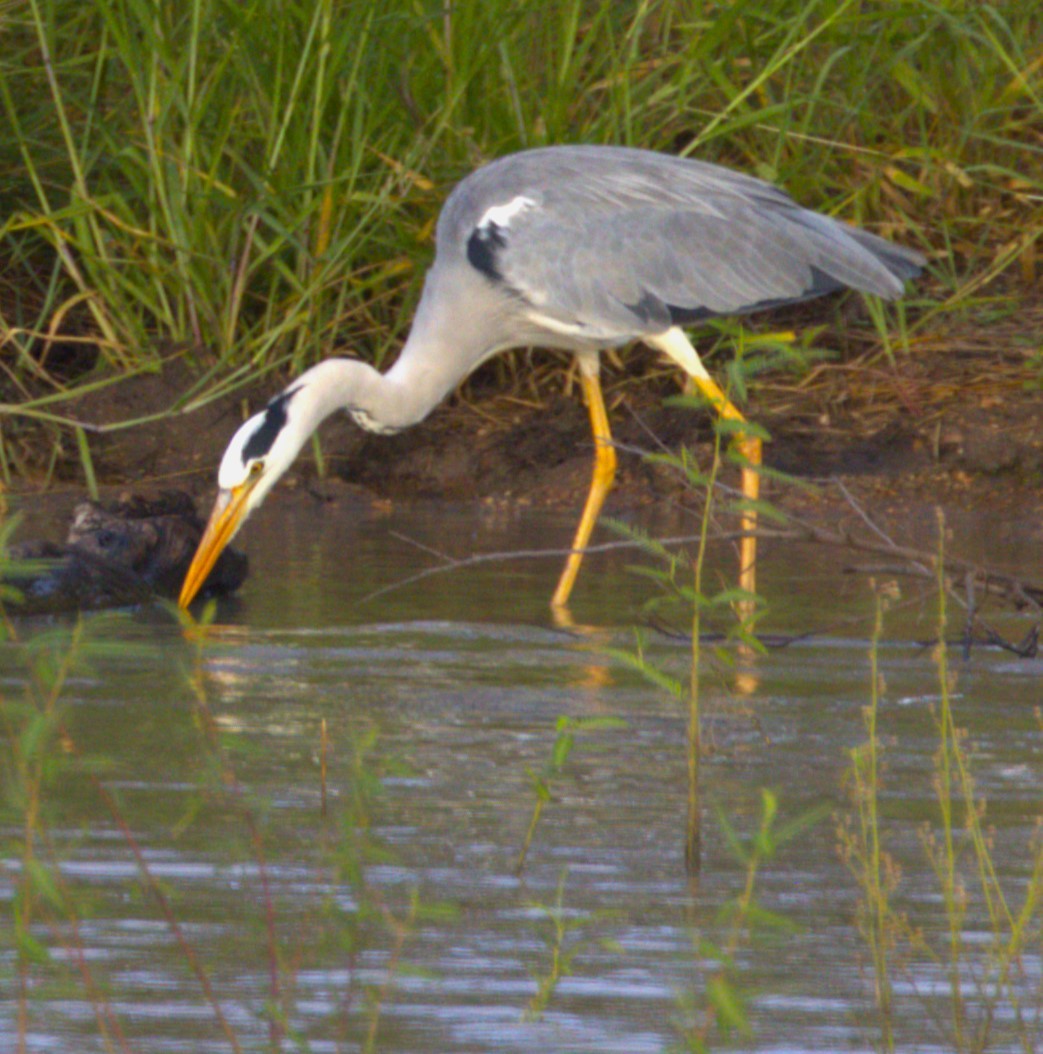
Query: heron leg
[
  {"x": 600, "y": 485},
  {"x": 678, "y": 347}
]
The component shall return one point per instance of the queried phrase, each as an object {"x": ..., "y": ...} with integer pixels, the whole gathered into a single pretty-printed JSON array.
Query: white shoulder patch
[{"x": 501, "y": 215}]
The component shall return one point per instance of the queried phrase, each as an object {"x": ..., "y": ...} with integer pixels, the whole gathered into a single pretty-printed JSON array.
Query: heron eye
[{"x": 256, "y": 469}]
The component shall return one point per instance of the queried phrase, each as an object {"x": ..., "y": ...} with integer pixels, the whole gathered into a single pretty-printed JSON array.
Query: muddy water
[{"x": 399, "y": 919}]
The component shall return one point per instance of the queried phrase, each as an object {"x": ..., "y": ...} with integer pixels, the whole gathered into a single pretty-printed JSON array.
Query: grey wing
[{"x": 614, "y": 273}]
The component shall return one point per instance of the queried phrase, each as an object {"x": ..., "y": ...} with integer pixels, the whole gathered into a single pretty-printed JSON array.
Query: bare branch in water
[{"x": 967, "y": 582}]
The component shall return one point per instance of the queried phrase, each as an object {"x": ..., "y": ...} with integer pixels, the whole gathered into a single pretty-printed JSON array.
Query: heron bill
[{"x": 227, "y": 517}]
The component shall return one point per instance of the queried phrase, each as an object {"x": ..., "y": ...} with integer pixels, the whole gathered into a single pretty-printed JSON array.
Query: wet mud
[{"x": 953, "y": 426}]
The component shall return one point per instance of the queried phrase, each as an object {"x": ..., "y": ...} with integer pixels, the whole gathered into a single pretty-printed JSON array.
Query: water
[{"x": 440, "y": 700}]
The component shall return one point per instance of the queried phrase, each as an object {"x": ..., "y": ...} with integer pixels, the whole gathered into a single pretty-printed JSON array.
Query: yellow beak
[{"x": 228, "y": 515}]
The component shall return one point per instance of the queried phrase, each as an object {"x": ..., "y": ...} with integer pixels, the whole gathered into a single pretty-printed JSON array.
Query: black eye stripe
[{"x": 275, "y": 418}]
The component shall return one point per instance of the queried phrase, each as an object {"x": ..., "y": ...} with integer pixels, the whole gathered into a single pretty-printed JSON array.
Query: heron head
[{"x": 260, "y": 452}]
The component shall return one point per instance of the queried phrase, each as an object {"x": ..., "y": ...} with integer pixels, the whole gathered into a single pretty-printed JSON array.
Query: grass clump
[{"x": 258, "y": 183}]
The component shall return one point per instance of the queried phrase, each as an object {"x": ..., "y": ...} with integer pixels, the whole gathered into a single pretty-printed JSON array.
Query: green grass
[{"x": 257, "y": 183}]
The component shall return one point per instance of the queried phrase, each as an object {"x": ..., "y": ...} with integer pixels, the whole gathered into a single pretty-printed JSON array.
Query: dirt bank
[{"x": 960, "y": 421}]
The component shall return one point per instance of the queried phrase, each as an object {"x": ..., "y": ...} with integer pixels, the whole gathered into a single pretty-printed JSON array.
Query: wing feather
[{"x": 617, "y": 243}]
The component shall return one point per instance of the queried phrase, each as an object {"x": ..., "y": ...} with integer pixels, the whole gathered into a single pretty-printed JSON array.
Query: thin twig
[{"x": 454, "y": 564}]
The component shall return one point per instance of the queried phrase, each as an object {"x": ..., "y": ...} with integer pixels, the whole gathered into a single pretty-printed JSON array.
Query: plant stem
[{"x": 693, "y": 838}]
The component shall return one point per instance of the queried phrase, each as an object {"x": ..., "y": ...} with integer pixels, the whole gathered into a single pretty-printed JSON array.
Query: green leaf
[
  {"x": 760, "y": 918},
  {"x": 731, "y": 837},
  {"x": 31, "y": 949},
  {"x": 769, "y": 807},
  {"x": 35, "y": 736},
  {"x": 44, "y": 885},
  {"x": 912, "y": 82},
  {"x": 597, "y": 724},
  {"x": 807, "y": 819},
  {"x": 562, "y": 749},
  {"x": 731, "y": 1015}
]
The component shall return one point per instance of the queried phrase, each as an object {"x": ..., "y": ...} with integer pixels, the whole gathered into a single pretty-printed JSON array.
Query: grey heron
[{"x": 581, "y": 248}]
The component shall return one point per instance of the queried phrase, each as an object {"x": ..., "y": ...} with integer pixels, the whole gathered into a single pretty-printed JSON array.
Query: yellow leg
[
  {"x": 675, "y": 344},
  {"x": 600, "y": 485}
]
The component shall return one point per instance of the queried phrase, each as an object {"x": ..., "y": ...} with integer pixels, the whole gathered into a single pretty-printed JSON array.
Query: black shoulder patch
[
  {"x": 275, "y": 418},
  {"x": 482, "y": 248}
]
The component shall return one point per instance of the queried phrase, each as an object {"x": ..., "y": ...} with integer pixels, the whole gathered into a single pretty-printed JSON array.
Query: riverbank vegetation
[{"x": 254, "y": 186}]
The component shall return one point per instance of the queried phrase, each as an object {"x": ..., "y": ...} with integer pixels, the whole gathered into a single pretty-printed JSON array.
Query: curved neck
[{"x": 380, "y": 402}]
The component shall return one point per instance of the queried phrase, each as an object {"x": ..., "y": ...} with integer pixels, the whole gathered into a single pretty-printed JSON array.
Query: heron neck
[{"x": 390, "y": 401}]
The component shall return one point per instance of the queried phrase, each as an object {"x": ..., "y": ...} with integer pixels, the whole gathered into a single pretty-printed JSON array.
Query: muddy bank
[{"x": 959, "y": 423}]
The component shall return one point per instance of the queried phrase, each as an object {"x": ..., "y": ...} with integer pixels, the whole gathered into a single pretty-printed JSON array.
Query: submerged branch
[
  {"x": 967, "y": 582},
  {"x": 919, "y": 563}
]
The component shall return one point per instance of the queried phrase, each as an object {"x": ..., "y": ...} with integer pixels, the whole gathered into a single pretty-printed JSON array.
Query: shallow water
[{"x": 440, "y": 698}]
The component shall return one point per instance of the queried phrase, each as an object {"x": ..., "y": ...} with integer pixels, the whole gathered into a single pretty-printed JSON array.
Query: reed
[
  {"x": 257, "y": 183},
  {"x": 987, "y": 1002}
]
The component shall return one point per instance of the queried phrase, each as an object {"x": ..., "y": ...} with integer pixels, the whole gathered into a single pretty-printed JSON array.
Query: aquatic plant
[
  {"x": 990, "y": 1003},
  {"x": 989, "y": 995},
  {"x": 37, "y": 755},
  {"x": 565, "y": 939},
  {"x": 716, "y": 1010},
  {"x": 357, "y": 916},
  {"x": 52, "y": 784},
  {"x": 566, "y": 729},
  {"x": 679, "y": 577}
]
